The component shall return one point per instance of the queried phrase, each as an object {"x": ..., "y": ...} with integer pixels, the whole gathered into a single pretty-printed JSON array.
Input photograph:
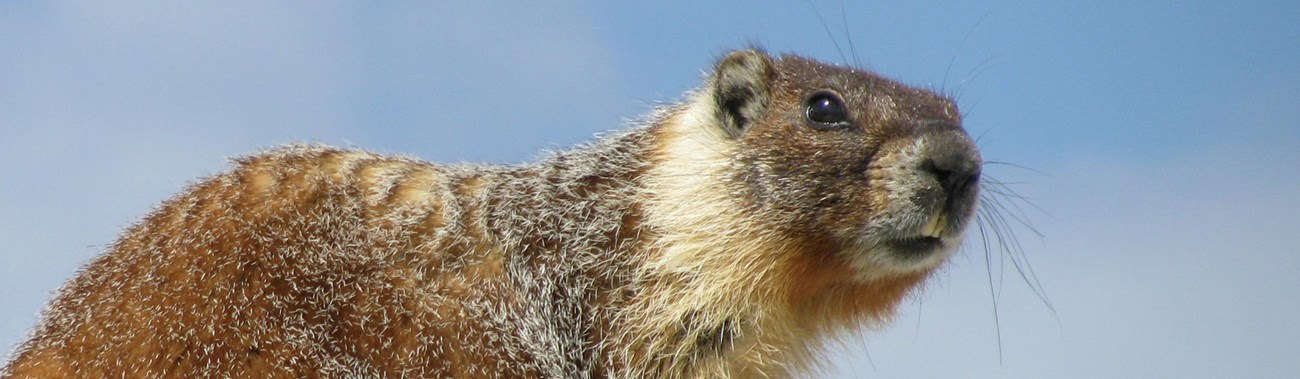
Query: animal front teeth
[{"x": 934, "y": 228}]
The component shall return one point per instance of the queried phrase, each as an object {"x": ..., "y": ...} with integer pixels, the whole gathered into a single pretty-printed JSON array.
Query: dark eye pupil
[{"x": 826, "y": 109}]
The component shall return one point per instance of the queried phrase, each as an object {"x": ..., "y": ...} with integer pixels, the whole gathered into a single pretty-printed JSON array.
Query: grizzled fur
[
  {"x": 723, "y": 237},
  {"x": 312, "y": 261}
]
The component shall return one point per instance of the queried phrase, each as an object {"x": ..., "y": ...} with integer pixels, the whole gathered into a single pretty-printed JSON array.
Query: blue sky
[{"x": 1161, "y": 140}]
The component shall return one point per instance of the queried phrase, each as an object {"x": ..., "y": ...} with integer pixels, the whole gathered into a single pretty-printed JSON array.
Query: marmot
[{"x": 783, "y": 202}]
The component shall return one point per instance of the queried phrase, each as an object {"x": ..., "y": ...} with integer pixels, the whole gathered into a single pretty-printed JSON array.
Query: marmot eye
[{"x": 825, "y": 107}]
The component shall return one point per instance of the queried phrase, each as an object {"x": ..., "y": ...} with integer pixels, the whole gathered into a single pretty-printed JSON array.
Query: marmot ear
[{"x": 741, "y": 87}]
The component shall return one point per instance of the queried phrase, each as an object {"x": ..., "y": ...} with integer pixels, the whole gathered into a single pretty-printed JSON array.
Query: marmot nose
[
  {"x": 955, "y": 176},
  {"x": 950, "y": 156}
]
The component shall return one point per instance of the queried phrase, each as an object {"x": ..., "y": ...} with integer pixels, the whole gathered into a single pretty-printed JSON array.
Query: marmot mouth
[
  {"x": 915, "y": 246},
  {"x": 928, "y": 239}
]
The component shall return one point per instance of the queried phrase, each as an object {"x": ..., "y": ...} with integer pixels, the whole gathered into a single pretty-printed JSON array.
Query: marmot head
[{"x": 873, "y": 172}]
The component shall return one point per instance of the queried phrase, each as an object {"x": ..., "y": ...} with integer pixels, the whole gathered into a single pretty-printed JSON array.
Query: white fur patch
[{"x": 717, "y": 266}]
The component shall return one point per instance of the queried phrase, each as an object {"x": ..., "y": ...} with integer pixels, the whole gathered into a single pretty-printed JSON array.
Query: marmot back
[{"x": 783, "y": 202}]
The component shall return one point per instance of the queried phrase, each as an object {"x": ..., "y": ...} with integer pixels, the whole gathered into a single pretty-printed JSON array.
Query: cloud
[{"x": 452, "y": 79}]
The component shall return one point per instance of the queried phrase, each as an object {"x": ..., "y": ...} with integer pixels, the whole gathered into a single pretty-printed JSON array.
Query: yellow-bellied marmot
[{"x": 782, "y": 202}]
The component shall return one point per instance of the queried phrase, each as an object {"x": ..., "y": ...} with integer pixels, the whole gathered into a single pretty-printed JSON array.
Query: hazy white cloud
[
  {"x": 449, "y": 78},
  {"x": 107, "y": 108}
]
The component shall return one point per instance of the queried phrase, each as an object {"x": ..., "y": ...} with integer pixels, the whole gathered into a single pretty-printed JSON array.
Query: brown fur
[{"x": 725, "y": 237}]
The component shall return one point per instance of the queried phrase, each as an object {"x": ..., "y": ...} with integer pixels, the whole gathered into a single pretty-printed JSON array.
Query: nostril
[
  {"x": 950, "y": 157},
  {"x": 954, "y": 175}
]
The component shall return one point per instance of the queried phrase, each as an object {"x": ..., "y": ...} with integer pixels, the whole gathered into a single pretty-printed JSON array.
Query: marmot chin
[{"x": 783, "y": 202}]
